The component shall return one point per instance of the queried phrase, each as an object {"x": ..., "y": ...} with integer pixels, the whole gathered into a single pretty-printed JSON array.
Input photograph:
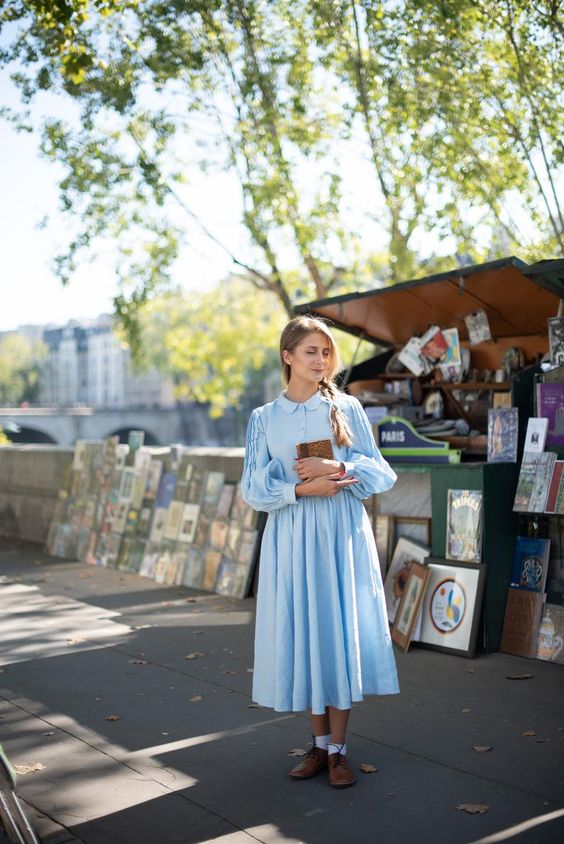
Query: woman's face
[{"x": 311, "y": 358}]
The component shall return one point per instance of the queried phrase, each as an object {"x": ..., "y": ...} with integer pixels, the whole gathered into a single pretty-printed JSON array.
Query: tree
[
  {"x": 455, "y": 104},
  {"x": 20, "y": 365}
]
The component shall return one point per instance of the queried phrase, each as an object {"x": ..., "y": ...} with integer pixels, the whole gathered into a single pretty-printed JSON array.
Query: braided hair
[{"x": 292, "y": 335}]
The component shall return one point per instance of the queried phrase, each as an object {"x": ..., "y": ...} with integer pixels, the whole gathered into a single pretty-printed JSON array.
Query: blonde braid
[{"x": 341, "y": 429}]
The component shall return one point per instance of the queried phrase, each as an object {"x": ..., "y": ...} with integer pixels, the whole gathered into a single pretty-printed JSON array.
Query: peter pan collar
[{"x": 311, "y": 404}]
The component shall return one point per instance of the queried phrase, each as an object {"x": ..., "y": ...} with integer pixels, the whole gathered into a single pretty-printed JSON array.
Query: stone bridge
[{"x": 189, "y": 424}]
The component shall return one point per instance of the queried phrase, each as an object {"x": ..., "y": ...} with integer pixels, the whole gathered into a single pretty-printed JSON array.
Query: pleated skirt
[{"x": 322, "y": 636}]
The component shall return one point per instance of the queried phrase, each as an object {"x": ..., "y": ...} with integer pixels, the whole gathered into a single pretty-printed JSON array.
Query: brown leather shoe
[
  {"x": 341, "y": 774},
  {"x": 313, "y": 763}
]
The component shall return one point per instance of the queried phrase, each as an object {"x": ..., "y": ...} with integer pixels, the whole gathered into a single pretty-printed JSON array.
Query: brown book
[
  {"x": 521, "y": 623},
  {"x": 316, "y": 448}
]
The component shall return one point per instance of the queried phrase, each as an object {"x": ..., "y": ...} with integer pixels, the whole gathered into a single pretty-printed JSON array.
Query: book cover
[
  {"x": 535, "y": 438},
  {"x": 202, "y": 535},
  {"x": 464, "y": 525},
  {"x": 503, "y": 429},
  {"x": 556, "y": 340},
  {"x": 525, "y": 482},
  {"x": 521, "y": 622},
  {"x": 434, "y": 345},
  {"x": 173, "y": 520},
  {"x": 166, "y": 490},
  {"x": 232, "y": 579},
  {"x": 193, "y": 568},
  {"x": 212, "y": 562},
  {"x": 550, "y": 405},
  {"x": 316, "y": 448},
  {"x": 248, "y": 547},
  {"x": 554, "y": 488},
  {"x": 212, "y": 487},
  {"x": 218, "y": 534},
  {"x": 233, "y": 539},
  {"x": 539, "y": 493},
  {"x": 550, "y": 639},
  {"x": 451, "y": 363},
  {"x": 160, "y": 515},
  {"x": 530, "y": 563},
  {"x": 225, "y": 501},
  {"x": 195, "y": 486},
  {"x": 189, "y": 521},
  {"x": 238, "y": 506},
  {"x": 478, "y": 327}
]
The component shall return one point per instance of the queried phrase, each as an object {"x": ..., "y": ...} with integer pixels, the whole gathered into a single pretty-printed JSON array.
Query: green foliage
[
  {"x": 20, "y": 364},
  {"x": 211, "y": 343},
  {"x": 455, "y": 104}
]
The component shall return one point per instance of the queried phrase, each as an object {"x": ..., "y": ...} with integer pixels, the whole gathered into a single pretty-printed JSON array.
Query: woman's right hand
[{"x": 325, "y": 486}]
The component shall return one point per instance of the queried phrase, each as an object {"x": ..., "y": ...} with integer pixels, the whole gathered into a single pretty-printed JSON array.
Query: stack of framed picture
[{"x": 437, "y": 602}]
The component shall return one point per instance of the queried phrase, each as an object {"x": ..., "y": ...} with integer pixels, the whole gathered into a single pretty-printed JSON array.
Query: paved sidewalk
[{"x": 135, "y": 699}]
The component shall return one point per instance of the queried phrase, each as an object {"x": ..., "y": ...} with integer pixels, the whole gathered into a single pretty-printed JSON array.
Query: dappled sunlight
[
  {"x": 512, "y": 831},
  {"x": 51, "y": 625},
  {"x": 193, "y": 741}
]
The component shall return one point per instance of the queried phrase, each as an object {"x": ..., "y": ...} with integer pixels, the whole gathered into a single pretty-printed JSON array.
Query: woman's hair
[{"x": 292, "y": 335}]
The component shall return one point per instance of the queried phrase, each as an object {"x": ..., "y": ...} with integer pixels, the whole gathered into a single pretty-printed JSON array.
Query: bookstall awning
[{"x": 518, "y": 299}]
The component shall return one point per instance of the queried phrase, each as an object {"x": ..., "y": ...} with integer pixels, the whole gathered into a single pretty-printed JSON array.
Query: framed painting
[
  {"x": 451, "y": 606},
  {"x": 405, "y": 552},
  {"x": 410, "y": 605}
]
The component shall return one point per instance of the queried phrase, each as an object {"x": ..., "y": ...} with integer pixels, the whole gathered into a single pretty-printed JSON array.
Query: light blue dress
[{"x": 322, "y": 636}]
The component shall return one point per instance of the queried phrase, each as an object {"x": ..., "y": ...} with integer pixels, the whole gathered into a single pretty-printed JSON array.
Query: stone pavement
[{"x": 133, "y": 700}]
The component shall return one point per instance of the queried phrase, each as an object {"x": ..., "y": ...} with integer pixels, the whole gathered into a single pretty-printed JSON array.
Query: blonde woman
[{"x": 322, "y": 639}]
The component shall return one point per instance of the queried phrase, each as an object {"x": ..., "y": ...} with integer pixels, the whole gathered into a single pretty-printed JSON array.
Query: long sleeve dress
[{"x": 321, "y": 636}]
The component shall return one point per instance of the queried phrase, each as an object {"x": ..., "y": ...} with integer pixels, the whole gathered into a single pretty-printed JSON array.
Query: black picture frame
[{"x": 453, "y": 588}]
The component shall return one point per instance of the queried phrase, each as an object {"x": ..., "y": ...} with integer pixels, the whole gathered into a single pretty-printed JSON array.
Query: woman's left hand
[{"x": 308, "y": 468}]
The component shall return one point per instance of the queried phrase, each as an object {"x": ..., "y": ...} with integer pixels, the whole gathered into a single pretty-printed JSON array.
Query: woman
[{"x": 322, "y": 640}]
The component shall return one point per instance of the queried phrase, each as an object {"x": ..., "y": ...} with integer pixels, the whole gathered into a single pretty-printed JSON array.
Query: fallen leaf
[
  {"x": 198, "y": 632},
  {"x": 193, "y": 655},
  {"x": 29, "y": 769},
  {"x": 250, "y": 670},
  {"x": 467, "y": 710},
  {"x": 473, "y": 808},
  {"x": 165, "y": 734},
  {"x": 75, "y": 641},
  {"x": 367, "y": 769},
  {"x": 482, "y": 748},
  {"x": 297, "y": 751},
  {"x": 518, "y": 676},
  {"x": 98, "y": 698},
  {"x": 138, "y": 662},
  {"x": 470, "y": 671},
  {"x": 253, "y": 706},
  {"x": 191, "y": 600},
  {"x": 195, "y": 698},
  {"x": 49, "y": 733},
  {"x": 529, "y": 733},
  {"x": 228, "y": 672},
  {"x": 541, "y": 740},
  {"x": 112, "y": 718}
]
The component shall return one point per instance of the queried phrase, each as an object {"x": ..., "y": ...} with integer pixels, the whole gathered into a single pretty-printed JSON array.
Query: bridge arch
[
  {"x": 23, "y": 434},
  {"x": 123, "y": 434}
]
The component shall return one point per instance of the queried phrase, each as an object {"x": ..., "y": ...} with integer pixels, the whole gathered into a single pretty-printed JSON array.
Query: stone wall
[{"x": 30, "y": 477}]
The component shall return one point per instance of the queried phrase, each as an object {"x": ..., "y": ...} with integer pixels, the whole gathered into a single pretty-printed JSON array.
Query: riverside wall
[{"x": 30, "y": 477}]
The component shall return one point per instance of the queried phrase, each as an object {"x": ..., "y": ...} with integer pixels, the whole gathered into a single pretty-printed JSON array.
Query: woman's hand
[
  {"x": 325, "y": 486},
  {"x": 308, "y": 468}
]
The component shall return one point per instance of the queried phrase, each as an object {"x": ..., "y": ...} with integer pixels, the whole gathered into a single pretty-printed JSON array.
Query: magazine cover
[
  {"x": 213, "y": 486},
  {"x": 535, "y": 438},
  {"x": 411, "y": 358},
  {"x": 478, "y": 327},
  {"x": 554, "y": 488},
  {"x": 539, "y": 493},
  {"x": 464, "y": 525},
  {"x": 526, "y": 482},
  {"x": 434, "y": 345},
  {"x": 451, "y": 364},
  {"x": 550, "y": 640},
  {"x": 503, "y": 430},
  {"x": 225, "y": 501},
  {"x": 550, "y": 405},
  {"x": 530, "y": 563},
  {"x": 189, "y": 522},
  {"x": 556, "y": 340}
]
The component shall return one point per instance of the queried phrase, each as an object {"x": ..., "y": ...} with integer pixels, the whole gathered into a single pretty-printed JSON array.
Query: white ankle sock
[
  {"x": 322, "y": 741},
  {"x": 337, "y": 748}
]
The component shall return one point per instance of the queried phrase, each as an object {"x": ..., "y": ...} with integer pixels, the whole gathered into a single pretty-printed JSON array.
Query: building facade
[{"x": 87, "y": 364}]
